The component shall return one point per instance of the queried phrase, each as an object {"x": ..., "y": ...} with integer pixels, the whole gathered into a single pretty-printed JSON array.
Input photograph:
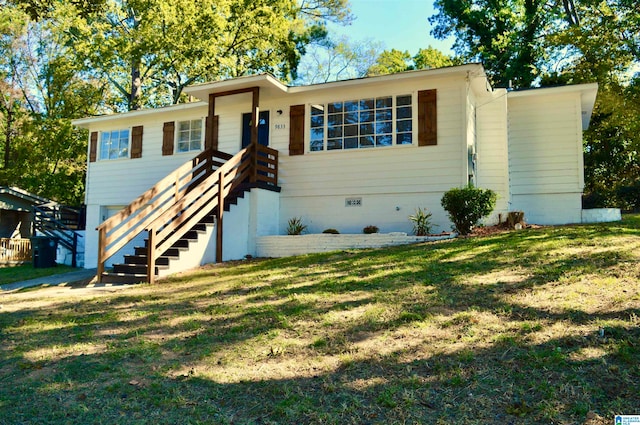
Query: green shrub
[
  {"x": 370, "y": 229},
  {"x": 421, "y": 222},
  {"x": 331, "y": 231},
  {"x": 466, "y": 206},
  {"x": 295, "y": 226}
]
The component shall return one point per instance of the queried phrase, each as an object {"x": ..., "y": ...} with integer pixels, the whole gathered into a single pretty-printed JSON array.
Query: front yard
[{"x": 540, "y": 326}]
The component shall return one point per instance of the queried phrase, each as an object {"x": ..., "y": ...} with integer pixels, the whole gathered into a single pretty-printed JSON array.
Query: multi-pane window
[
  {"x": 114, "y": 144},
  {"x": 364, "y": 123},
  {"x": 189, "y": 135}
]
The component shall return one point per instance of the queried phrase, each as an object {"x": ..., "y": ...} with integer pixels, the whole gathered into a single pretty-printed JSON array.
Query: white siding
[
  {"x": 119, "y": 181},
  {"x": 492, "y": 149},
  {"x": 392, "y": 181},
  {"x": 545, "y": 156}
]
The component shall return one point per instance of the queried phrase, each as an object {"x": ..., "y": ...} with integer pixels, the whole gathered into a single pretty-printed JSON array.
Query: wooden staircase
[
  {"x": 62, "y": 223},
  {"x": 181, "y": 208}
]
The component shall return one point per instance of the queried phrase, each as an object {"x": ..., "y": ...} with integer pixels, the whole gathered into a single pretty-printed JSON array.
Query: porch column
[
  {"x": 255, "y": 114},
  {"x": 211, "y": 124}
]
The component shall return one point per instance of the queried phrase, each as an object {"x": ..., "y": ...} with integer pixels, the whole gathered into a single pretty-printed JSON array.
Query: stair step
[
  {"x": 191, "y": 235},
  {"x": 142, "y": 260},
  {"x": 200, "y": 228},
  {"x": 135, "y": 268},
  {"x": 173, "y": 252},
  {"x": 208, "y": 219}
]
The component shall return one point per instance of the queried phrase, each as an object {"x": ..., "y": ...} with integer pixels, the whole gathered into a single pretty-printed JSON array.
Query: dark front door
[{"x": 263, "y": 129}]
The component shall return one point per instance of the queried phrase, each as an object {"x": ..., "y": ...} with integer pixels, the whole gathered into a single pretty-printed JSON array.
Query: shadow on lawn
[{"x": 127, "y": 374}]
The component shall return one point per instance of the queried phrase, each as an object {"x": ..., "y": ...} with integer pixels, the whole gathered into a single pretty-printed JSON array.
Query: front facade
[{"x": 355, "y": 153}]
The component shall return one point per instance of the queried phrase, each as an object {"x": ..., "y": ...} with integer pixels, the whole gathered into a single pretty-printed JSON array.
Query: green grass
[
  {"x": 27, "y": 272},
  {"x": 540, "y": 326}
]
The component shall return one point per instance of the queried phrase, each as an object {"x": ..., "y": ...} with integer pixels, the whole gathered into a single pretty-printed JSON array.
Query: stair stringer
[{"x": 255, "y": 214}]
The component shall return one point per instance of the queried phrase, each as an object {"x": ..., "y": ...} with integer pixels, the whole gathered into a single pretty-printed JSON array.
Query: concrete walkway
[{"x": 57, "y": 279}]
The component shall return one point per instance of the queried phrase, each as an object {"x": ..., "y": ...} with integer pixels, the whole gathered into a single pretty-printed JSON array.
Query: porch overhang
[{"x": 267, "y": 83}]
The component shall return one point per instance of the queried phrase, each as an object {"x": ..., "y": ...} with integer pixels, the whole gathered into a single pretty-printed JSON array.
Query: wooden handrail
[{"x": 183, "y": 198}]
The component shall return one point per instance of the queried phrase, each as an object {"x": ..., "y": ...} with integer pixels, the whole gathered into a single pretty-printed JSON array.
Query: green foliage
[
  {"x": 431, "y": 57},
  {"x": 391, "y": 62},
  {"x": 566, "y": 42},
  {"x": 505, "y": 36},
  {"x": 421, "y": 222},
  {"x": 43, "y": 89},
  {"x": 394, "y": 61},
  {"x": 629, "y": 196},
  {"x": 150, "y": 50},
  {"x": 295, "y": 226},
  {"x": 466, "y": 206},
  {"x": 370, "y": 229},
  {"x": 331, "y": 231}
]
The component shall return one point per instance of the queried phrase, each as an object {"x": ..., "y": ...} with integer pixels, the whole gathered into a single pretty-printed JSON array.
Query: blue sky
[{"x": 399, "y": 24}]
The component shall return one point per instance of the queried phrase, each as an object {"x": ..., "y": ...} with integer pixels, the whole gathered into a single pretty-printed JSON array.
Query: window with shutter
[{"x": 114, "y": 144}]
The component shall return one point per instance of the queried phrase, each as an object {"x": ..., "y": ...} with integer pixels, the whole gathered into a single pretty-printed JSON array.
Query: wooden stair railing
[
  {"x": 179, "y": 201},
  {"x": 59, "y": 222}
]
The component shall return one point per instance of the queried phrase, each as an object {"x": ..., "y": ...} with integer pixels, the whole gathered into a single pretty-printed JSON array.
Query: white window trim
[
  {"x": 176, "y": 137},
  {"x": 119, "y": 158},
  {"x": 325, "y": 103}
]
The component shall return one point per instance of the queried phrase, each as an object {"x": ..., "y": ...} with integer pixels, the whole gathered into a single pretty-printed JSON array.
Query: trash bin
[{"x": 44, "y": 250}]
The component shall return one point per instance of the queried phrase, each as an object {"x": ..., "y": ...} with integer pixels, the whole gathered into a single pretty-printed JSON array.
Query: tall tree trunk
[
  {"x": 7, "y": 137},
  {"x": 135, "y": 98}
]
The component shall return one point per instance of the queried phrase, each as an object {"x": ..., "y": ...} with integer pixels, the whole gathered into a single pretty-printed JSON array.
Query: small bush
[
  {"x": 421, "y": 222},
  {"x": 370, "y": 229},
  {"x": 295, "y": 226},
  {"x": 331, "y": 231},
  {"x": 466, "y": 206}
]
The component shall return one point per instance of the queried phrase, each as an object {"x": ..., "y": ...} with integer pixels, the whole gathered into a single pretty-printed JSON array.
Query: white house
[{"x": 341, "y": 155}]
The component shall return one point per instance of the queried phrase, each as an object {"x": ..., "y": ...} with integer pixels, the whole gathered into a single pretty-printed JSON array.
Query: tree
[
  {"x": 431, "y": 57},
  {"x": 531, "y": 42},
  {"x": 391, "y": 62},
  {"x": 41, "y": 90},
  {"x": 503, "y": 34},
  {"x": 150, "y": 50},
  {"x": 332, "y": 60}
]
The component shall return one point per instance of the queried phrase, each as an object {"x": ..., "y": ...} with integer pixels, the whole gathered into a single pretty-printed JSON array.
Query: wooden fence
[{"x": 15, "y": 250}]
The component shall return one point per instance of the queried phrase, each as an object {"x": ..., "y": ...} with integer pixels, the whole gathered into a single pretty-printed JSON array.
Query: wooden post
[
  {"x": 151, "y": 257},
  {"x": 74, "y": 252},
  {"x": 255, "y": 114},
  {"x": 219, "y": 218},
  {"x": 102, "y": 235},
  {"x": 210, "y": 128},
  {"x": 253, "y": 151}
]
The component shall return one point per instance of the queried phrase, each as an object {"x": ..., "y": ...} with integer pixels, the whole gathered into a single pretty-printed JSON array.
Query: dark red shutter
[
  {"x": 296, "y": 130},
  {"x": 136, "y": 142},
  {"x": 427, "y": 118},
  {"x": 168, "y": 135},
  {"x": 93, "y": 146}
]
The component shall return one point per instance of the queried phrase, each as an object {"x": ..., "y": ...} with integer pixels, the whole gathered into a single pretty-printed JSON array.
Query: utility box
[{"x": 44, "y": 250}]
